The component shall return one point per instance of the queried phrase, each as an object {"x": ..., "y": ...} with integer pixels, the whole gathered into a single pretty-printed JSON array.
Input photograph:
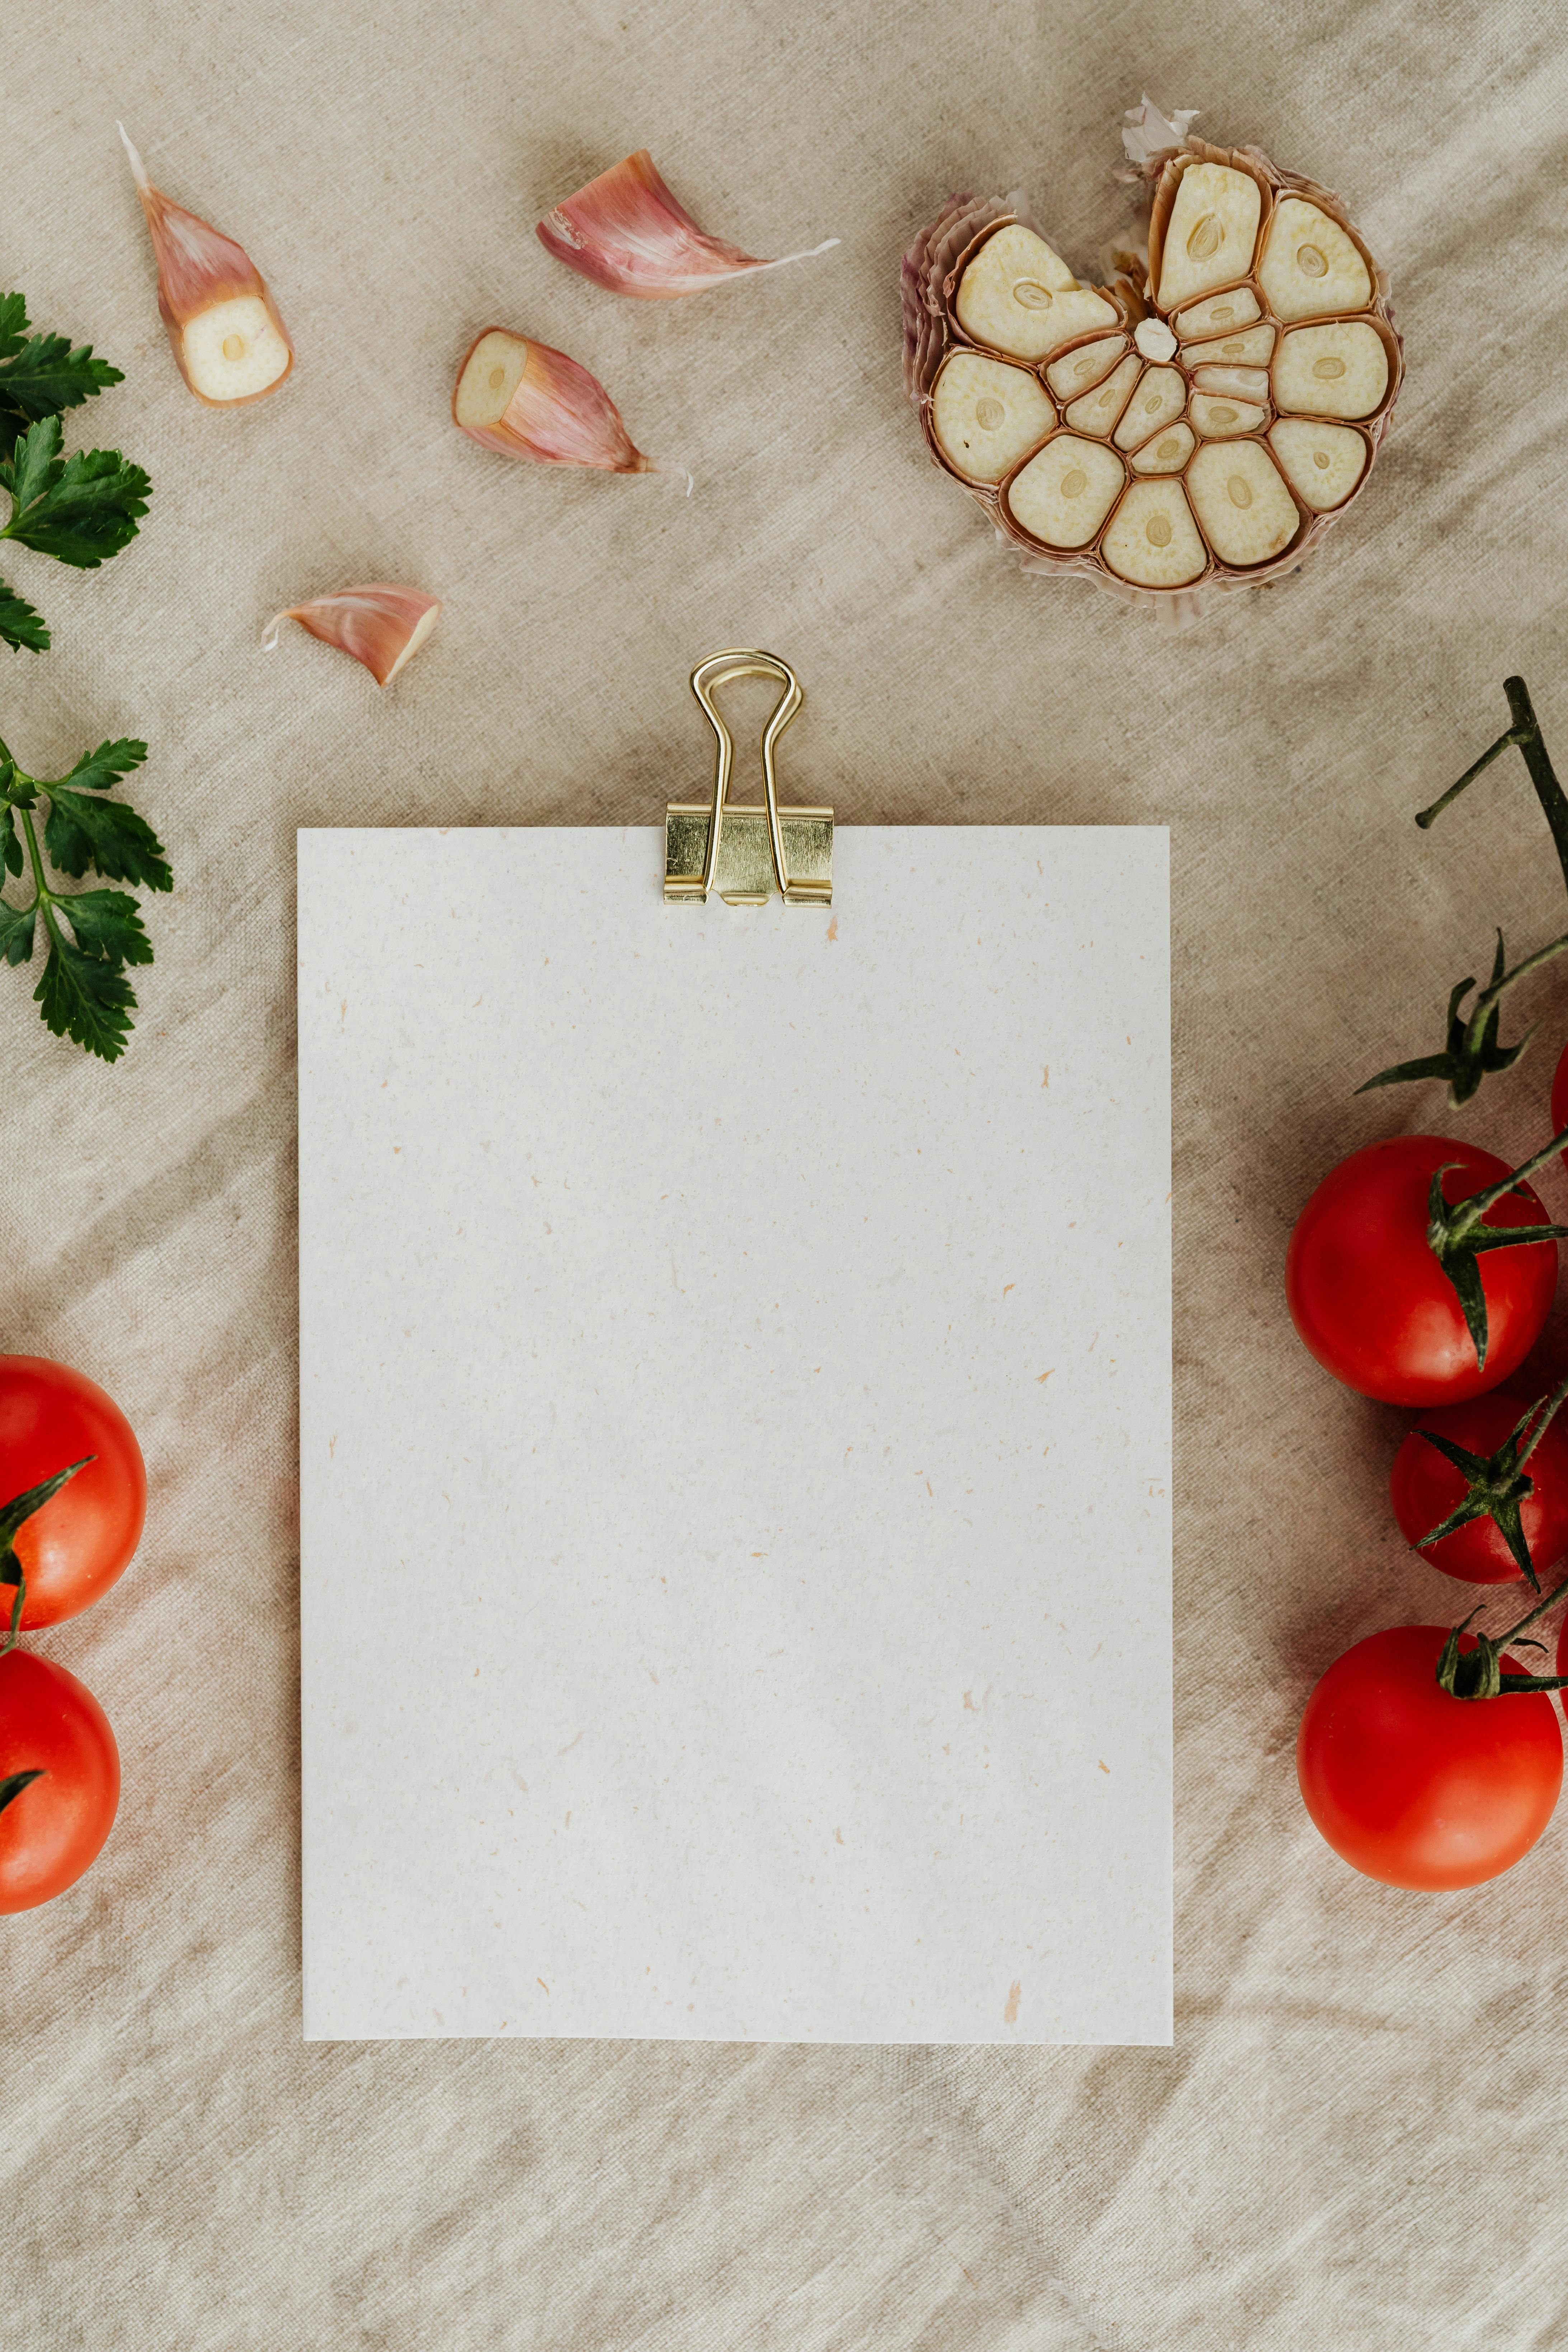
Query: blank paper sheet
[{"x": 735, "y": 1441}]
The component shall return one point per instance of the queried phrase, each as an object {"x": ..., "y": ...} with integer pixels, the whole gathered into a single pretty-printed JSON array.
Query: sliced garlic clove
[
  {"x": 1309, "y": 266},
  {"x": 1007, "y": 296},
  {"x": 1253, "y": 347},
  {"x": 1152, "y": 539},
  {"x": 1233, "y": 383},
  {"x": 1160, "y": 396},
  {"x": 1064, "y": 492},
  {"x": 987, "y": 415},
  {"x": 1323, "y": 463},
  {"x": 626, "y": 232},
  {"x": 1247, "y": 513},
  {"x": 1211, "y": 229},
  {"x": 528, "y": 401},
  {"x": 1236, "y": 308},
  {"x": 1167, "y": 452},
  {"x": 1097, "y": 412},
  {"x": 1084, "y": 367},
  {"x": 1334, "y": 371},
  {"x": 381, "y": 625},
  {"x": 1219, "y": 420},
  {"x": 228, "y": 342}
]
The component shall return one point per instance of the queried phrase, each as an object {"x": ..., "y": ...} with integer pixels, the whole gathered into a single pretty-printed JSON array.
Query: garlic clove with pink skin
[
  {"x": 626, "y": 232},
  {"x": 381, "y": 624},
  {"x": 528, "y": 401},
  {"x": 228, "y": 342}
]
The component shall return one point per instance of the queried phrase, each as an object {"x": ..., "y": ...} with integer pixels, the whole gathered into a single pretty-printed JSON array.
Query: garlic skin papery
[
  {"x": 528, "y": 401},
  {"x": 1204, "y": 419},
  {"x": 228, "y": 342},
  {"x": 626, "y": 232},
  {"x": 380, "y": 624}
]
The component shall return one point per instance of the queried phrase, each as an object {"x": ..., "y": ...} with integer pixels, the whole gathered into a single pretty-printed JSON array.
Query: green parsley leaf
[
  {"x": 16, "y": 931},
  {"x": 47, "y": 374},
  {"x": 20, "y": 625},
  {"x": 96, "y": 771},
  {"x": 11, "y": 844},
  {"x": 82, "y": 508},
  {"x": 108, "y": 924},
  {"x": 89, "y": 1002},
  {"x": 14, "y": 324},
  {"x": 105, "y": 834}
]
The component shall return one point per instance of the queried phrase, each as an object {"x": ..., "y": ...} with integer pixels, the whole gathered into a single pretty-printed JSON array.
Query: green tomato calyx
[{"x": 1477, "y": 1672}]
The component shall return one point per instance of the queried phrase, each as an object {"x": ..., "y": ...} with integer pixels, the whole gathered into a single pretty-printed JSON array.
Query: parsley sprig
[
  {"x": 91, "y": 935},
  {"x": 80, "y": 509}
]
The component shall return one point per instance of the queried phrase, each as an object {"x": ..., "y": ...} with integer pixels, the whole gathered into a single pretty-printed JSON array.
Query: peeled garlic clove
[
  {"x": 228, "y": 342},
  {"x": 528, "y": 401},
  {"x": 1245, "y": 510},
  {"x": 1218, "y": 420},
  {"x": 1323, "y": 463},
  {"x": 987, "y": 415},
  {"x": 1253, "y": 347},
  {"x": 1084, "y": 367},
  {"x": 1097, "y": 412},
  {"x": 1167, "y": 452},
  {"x": 1020, "y": 298},
  {"x": 1211, "y": 229},
  {"x": 1152, "y": 539},
  {"x": 382, "y": 625},
  {"x": 1238, "y": 308},
  {"x": 1335, "y": 371},
  {"x": 1160, "y": 396},
  {"x": 1064, "y": 494},
  {"x": 1233, "y": 383},
  {"x": 1154, "y": 339},
  {"x": 626, "y": 232},
  {"x": 1309, "y": 266}
]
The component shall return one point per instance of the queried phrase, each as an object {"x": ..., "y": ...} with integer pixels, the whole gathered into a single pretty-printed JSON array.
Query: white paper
[{"x": 735, "y": 1355}]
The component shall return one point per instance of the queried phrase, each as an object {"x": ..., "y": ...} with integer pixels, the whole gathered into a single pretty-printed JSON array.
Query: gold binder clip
[{"x": 740, "y": 850}]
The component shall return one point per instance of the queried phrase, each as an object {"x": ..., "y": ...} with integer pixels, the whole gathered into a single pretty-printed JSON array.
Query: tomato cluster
[
  {"x": 1428, "y": 1757},
  {"x": 78, "y": 1491}
]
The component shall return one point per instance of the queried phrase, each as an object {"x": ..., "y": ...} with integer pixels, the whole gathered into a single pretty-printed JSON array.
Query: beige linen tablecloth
[{"x": 1358, "y": 2138}]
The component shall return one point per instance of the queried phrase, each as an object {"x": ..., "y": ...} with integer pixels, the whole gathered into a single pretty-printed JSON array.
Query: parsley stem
[{"x": 44, "y": 892}]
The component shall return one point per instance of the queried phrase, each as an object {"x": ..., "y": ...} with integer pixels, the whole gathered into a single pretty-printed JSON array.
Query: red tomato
[
  {"x": 57, "y": 1825},
  {"x": 1414, "y": 1787},
  {"x": 1371, "y": 1300},
  {"x": 1426, "y": 1487},
  {"x": 72, "y": 1549}
]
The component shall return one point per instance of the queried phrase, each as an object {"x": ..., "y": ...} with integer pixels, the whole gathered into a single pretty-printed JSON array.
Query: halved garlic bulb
[
  {"x": 1308, "y": 266},
  {"x": 1020, "y": 298},
  {"x": 1167, "y": 452},
  {"x": 1152, "y": 539},
  {"x": 1084, "y": 367},
  {"x": 1160, "y": 397},
  {"x": 1219, "y": 420},
  {"x": 1236, "y": 308},
  {"x": 228, "y": 342},
  {"x": 1097, "y": 412},
  {"x": 988, "y": 414},
  {"x": 1341, "y": 370},
  {"x": 1064, "y": 494},
  {"x": 1210, "y": 235},
  {"x": 1323, "y": 463},
  {"x": 1245, "y": 510},
  {"x": 1219, "y": 403}
]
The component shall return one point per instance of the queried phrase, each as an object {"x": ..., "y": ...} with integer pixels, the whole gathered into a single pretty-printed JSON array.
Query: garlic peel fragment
[
  {"x": 528, "y": 401},
  {"x": 626, "y": 232},
  {"x": 381, "y": 624},
  {"x": 228, "y": 342},
  {"x": 1222, "y": 386}
]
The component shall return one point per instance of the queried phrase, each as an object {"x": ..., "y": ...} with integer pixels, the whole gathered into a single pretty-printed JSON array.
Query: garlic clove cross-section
[
  {"x": 1243, "y": 508},
  {"x": 1160, "y": 396},
  {"x": 1251, "y": 347},
  {"x": 1020, "y": 298},
  {"x": 988, "y": 414},
  {"x": 1063, "y": 495},
  {"x": 1219, "y": 314},
  {"x": 1220, "y": 420},
  {"x": 228, "y": 342},
  {"x": 1152, "y": 540},
  {"x": 1097, "y": 412},
  {"x": 1084, "y": 367},
  {"x": 1167, "y": 452},
  {"x": 1308, "y": 266},
  {"x": 1323, "y": 463},
  {"x": 1340, "y": 369},
  {"x": 1211, "y": 233},
  {"x": 381, "y": 624},
  {"x": 529, "y": 401}
]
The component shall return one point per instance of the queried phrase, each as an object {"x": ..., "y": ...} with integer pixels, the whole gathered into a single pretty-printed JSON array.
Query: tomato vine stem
[
  {"x": 13, "y": 1515},
  {"x": 1456, "y": 1234},
  {"x": 1526, "y": 735},
  {"x": 1477, "y": 1672},
  {"x": 1496, "y": 1483}
]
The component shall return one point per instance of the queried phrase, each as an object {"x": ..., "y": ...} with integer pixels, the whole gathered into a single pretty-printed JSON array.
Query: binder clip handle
[{"x": 795, "y": 890}]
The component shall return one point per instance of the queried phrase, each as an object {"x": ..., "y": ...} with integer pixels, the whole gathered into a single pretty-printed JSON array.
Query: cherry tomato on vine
[
  {"x": 1373, "y": 1300},
  {"x": 55, "y": 1739},
  {"x": 74, "y": 1547},
  {"x": 1428, "y": 1488},
  {"x": 1413, "y": 1786}
]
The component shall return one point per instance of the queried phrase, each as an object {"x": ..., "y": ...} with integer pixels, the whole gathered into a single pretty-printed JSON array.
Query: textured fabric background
[{"x": 1359, "y": 2136}]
